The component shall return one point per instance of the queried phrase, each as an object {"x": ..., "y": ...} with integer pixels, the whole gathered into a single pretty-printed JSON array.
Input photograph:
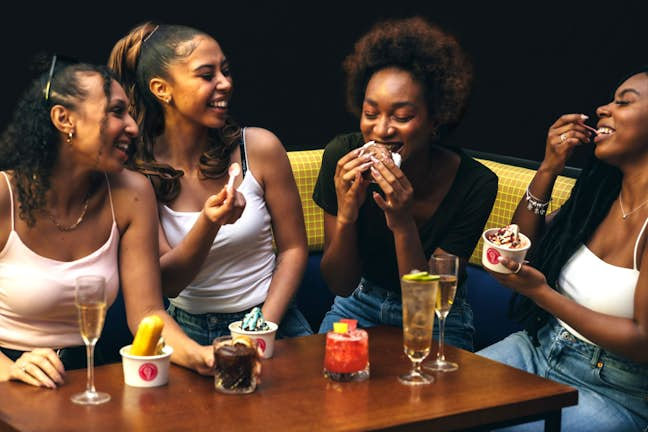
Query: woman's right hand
[
  {"x": 566, "y": 133},
  {"x": 350, "y": 185},
  {"x": 226, "y": 207},
  {"x": 40, "y": 367}
]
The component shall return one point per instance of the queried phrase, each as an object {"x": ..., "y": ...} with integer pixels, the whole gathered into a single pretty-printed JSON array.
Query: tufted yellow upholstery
[
  {"x": 305, "y": 165},
  {"x": 513, "y": 181}
]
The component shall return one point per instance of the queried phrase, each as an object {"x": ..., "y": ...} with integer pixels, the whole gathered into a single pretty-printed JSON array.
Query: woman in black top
[{"x": 408, "y": 81}]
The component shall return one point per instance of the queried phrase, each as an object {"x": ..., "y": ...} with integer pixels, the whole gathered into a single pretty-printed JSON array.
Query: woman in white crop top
[
  {"x": 67, "y": 208},
  {"x": 217, "y": 254},
  {"x": 583, "y": 296}
]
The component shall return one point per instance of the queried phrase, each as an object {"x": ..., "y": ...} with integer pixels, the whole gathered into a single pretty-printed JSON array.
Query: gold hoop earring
[{"x": 70, "y": 135}]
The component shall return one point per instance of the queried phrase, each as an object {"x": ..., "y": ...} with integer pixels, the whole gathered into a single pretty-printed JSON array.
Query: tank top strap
[
  {"x": 10, "y": 198},
  {"x": 112, "y": 208},
  {"x": 243, "y": 150},
  {"x": 636, "y": 248}
]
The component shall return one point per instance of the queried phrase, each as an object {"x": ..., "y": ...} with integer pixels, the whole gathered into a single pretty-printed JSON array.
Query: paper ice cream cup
[
  {"x": 146, "y": 371},
  {"x": 264, "y": 338},
  {"x": 491, "y": 252}
]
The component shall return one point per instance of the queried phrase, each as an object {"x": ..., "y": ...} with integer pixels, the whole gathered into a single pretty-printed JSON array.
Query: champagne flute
[
  {"x": 447, "y": 267},
  {"x": 419, "y": 293},
  {"x": 90, "y": 300}
]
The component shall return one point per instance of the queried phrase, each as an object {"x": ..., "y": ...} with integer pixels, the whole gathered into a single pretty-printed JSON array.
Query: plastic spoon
[{"x": 234, "y": 170}]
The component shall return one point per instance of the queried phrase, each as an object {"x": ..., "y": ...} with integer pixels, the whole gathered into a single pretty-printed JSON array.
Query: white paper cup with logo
[
  {"x": 265, "y": 339},
  {"x": 146, "y": 371},
  {"x": 491, "y": 252}
]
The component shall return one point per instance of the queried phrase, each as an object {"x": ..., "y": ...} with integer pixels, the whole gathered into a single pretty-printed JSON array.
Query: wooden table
[{"x": 294, "y": 396}]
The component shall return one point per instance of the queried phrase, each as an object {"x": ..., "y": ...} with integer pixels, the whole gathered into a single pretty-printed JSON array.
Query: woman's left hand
[
  {"x": 398, "y": 192},
  {"x": 525, "y": 279}
]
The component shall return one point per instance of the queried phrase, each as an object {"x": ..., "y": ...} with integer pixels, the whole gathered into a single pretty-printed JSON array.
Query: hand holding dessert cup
[{"x": 506, "y": 242}]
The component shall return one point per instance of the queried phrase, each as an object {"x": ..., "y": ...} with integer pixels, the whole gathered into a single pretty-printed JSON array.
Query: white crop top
[
  {"x": 37, "y": 293},
  {"x": 599, "y": 286},
  {"x": 237, "y": 272}
]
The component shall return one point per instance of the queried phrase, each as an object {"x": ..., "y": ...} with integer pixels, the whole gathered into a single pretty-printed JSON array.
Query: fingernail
[
  {"x": 500, "y": 258},
  {"x": 374, "y": 159},
  {"x": 584, "y": 117}
]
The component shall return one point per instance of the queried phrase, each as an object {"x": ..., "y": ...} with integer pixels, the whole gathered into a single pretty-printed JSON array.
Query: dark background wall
[{"x": 533, "y": 60}]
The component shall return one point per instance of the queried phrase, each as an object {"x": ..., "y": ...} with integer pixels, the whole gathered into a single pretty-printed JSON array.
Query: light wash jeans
[
  {"x": 612, "y": 391},
  {"x": 373, "y": 305},
  {"x": 204, "y": 328}
]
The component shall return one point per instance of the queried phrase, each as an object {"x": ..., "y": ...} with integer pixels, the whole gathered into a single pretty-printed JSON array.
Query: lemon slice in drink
[
  {"x": 420, "y": 276},
  {"x": 243, "y": 340}
]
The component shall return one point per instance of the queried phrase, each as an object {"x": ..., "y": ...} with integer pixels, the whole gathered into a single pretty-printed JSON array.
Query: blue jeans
[
  {"x": 204, "y": 328},
  {"x": 612, "y": 391},
  {"x": 373, "y": 305}
]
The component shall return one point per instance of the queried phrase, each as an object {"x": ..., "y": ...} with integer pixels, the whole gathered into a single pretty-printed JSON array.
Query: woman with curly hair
[
  {"x": 68, "y": 208},
  {"x": 216, "y": 265},
  {"x": 408, "y": 81}
]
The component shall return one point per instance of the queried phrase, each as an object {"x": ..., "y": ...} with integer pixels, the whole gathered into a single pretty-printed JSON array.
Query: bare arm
[
  {"x": 269, "y": 160},
  {"x": 566, "y": 133},
  {"x": 626, "y": 337},
  {"x": 140, "y": 269},
  {"x": 181, "y": 264},
  {"x": 340, "y": 265}
]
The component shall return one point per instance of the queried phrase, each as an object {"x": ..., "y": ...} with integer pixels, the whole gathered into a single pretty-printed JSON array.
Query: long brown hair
[{"x": 146, "y": 52}]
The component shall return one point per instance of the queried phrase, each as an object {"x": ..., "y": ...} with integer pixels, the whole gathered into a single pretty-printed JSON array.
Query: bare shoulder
[
  {"x": 132, "y": 193},
  {"x": 262, "y": 142}
]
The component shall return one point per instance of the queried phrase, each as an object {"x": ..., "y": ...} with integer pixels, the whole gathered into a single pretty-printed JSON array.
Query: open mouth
[
  {"x": 221, "y": 104},
  {"x": 603, "y": 130}
]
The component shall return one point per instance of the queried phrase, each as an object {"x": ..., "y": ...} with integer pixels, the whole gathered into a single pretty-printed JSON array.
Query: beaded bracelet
[{"x": 535, "y": 205}]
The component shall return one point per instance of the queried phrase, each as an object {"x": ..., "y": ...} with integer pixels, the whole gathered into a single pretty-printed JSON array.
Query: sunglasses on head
[{"x": 60, "y": 59}]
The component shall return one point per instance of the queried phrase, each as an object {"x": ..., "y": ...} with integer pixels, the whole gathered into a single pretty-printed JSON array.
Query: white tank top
[
  {"x": 37, "y": 293},
  {"x": 237, "y": 272},
  {"x": 599, "y": 286}
]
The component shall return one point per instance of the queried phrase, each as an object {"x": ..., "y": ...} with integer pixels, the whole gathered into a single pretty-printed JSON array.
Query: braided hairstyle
[
  {"x": 595, "y": 191},
  {"x": 144, "y": 53},
  {"x": 30, "y": 144}
]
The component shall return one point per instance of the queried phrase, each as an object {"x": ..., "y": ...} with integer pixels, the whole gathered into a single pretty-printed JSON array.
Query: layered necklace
[
  {"x": 623, "y": 212},
  {"x": 66, "y": 228}
]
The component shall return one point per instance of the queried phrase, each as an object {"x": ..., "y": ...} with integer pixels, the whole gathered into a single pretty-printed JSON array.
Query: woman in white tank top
[
  {"x": 217, "y": 254},
  {"x": 68, "y": 208},
  {"x": 583, "y": 296}
]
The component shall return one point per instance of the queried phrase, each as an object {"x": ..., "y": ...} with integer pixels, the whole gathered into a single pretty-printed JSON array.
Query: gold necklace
[
  {"x": 625, "y": 215},
  {"x": 78, "y": 221}
]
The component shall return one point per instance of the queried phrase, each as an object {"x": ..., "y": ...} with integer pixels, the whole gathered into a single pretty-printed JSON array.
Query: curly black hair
[
  {"x": 433, "y": 57},
  {"x": 146, "y": 52},
  {"x": 30, "y": 144}
]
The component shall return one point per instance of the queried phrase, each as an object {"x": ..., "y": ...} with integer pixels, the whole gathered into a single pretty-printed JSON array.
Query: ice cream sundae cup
[
  {"x": 261, "y": 331},
  {"x": 146, "y": 371},
  {"x": 506, "y": 242}
]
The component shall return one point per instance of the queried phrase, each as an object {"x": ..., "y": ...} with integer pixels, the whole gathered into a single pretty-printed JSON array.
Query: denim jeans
[
  {"x": 612, "y": 391},
  {"x": 373, "y": 305},
  {"x": 204, "y": 328}
]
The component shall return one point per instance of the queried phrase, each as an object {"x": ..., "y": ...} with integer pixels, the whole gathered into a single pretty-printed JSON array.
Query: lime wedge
[{"x": 419, "y": 276}]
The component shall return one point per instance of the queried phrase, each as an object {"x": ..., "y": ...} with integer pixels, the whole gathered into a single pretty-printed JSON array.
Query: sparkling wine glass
[
  {"x": 90, "y": 300},
  {"x": 419, "y": 299},
  {"x": 447, "y": 267}
]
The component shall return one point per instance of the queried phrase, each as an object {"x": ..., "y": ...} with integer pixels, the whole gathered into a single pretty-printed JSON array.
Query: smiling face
[
  {"x": 394, "y": 112},
  {"x": 200, "y": 84},
  {"x": 623, "y": 123},
  {"x": 103, "y": 129}
]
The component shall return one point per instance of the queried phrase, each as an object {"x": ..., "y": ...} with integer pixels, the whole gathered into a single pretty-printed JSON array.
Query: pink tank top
[{"x": 37, "y": 293}]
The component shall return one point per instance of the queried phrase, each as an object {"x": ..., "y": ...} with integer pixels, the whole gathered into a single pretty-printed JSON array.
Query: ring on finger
[
  {"x": 519, "y": 267},
  {"x": 563, "y": 136}
]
